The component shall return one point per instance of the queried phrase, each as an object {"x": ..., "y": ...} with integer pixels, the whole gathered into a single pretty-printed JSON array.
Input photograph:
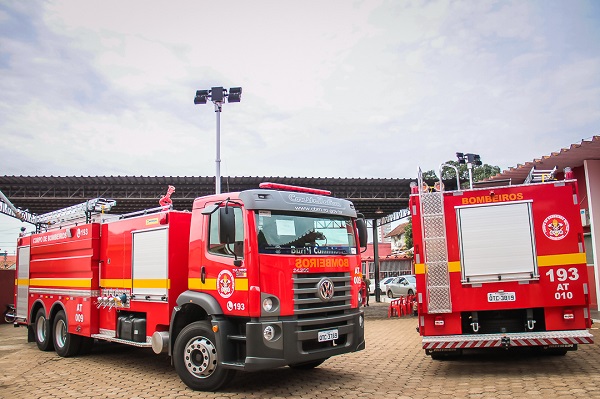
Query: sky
[{"x": 338, "y": 88}]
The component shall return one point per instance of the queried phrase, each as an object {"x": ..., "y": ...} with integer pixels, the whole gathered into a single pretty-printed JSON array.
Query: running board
[{"x": 106, "y": 337}]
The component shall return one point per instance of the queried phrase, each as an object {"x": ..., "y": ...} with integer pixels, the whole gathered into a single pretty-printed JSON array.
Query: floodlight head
[
  {"x": 217, "y": 94},
  {"x": 461, "y": 157},
  {"x": 201, "y": 96},
  {"x": 235, "y": 95},
  {"x": 476, "y": 160}
]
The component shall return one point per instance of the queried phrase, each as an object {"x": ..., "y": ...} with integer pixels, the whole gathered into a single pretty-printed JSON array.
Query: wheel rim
[
  {"x": 40, "y": 328},
  {"x": 200, "y": 357},
  {"x": 60, "y": 333}
]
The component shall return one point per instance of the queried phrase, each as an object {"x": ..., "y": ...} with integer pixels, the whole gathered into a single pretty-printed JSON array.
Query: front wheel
[
  {"x": 42, "y": 331},
  {"x": 390, "y": 294},
  {"x": 196, "y": 358},
  {"x": 65, "y": 343},
  {"x": 410, "y": 292}
]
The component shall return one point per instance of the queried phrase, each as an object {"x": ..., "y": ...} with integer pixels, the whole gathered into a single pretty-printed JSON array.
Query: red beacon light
[{"x": 298, "y": 189}]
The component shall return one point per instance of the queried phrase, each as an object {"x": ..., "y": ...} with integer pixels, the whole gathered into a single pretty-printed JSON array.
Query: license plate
[
  {"x": 328, "y": 335},
  {"x": 501, "y": 297}
]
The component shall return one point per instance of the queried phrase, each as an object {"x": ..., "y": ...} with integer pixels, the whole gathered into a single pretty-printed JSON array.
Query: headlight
[
  {"x": 267, "y": 304},
  {"x": 360, "y": 320},
  {"x": 359, "y": 297},
  {"x": 269, "y": 333}
]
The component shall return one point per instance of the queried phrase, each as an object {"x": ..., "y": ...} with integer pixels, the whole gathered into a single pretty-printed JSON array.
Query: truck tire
[
  {"x": 65, "y": 343},
  {"x": 196, "y": 358},
  {"x": 42, "y": 331},
  {"x": 308, "y": 365}
]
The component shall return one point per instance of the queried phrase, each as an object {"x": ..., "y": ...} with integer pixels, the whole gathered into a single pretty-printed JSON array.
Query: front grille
[
  {"x": 314, "y": 314},
  {"x": 306, "y": 299}
]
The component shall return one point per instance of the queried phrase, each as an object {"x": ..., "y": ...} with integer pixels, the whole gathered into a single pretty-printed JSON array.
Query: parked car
[
  {"x": 383, "y": 283},
  {"x": 402, "y": 286}
]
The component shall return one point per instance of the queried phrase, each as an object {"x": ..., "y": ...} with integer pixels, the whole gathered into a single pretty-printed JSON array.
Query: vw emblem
[{"x": 325, "y": 289}]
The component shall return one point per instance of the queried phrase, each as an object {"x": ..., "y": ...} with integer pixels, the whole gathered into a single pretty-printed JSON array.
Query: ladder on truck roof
[
  {"x": 75, "y": 213},
  {"x": 540, "y": 175},
  {"x": 435, "y": 250}
]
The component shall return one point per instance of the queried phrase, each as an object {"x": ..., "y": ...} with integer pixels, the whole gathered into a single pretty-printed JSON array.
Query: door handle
[{"x": 203, "y": 275}]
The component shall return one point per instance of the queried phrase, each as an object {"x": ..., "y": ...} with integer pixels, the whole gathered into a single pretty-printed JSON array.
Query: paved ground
[{"x": 392, "y": 366}]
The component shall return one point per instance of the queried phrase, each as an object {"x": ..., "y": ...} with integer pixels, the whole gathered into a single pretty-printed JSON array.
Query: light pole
[
  {"x": 470, "y": 159},
  {"x": 218, "y": 95}
]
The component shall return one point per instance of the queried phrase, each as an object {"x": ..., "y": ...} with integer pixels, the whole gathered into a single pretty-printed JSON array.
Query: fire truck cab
[
  {"x": 500, "y": 267},
  {"x": 247, "y": 281}
]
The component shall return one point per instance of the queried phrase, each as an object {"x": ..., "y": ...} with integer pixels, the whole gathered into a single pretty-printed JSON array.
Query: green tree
[
  {"x": 480, "y": 172},
  {"x": 408, "y": 234}
]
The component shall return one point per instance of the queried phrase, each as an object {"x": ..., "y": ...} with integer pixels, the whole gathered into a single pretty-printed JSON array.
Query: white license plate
[
  {"x": 328, "y": 335},
  {"x": 501, "y": 297}
]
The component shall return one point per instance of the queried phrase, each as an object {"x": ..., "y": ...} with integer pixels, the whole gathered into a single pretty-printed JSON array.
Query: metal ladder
[
  {"x": 76, "y": 213},
  {"x": 435, "y": 250},
  {"x": 540, "y": 175}
]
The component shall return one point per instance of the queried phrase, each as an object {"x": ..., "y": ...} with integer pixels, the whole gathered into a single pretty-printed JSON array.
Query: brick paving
[{"x": 392, "y": 366}]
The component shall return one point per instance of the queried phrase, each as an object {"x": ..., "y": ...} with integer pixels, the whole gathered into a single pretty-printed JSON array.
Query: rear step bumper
[{"x": 476, "y": 341}]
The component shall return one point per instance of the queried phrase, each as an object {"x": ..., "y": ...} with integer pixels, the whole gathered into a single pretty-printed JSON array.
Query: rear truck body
[
  {"x": 246, "y": 281},
  {"x": 500, "y": 267}
]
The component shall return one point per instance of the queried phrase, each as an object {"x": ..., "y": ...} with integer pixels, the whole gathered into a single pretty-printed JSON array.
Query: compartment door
[
  {"x": 150, "y": 277},
  {"x": 497, "y": 242},
  {"x": 23, "y": 282}
]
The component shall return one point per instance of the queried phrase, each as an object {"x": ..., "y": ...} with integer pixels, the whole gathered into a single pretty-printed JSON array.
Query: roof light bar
[{"x": 287, "y": 187}]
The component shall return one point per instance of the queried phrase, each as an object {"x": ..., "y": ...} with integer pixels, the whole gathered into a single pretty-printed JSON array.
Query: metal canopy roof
[
  {"x": 374, "y": 198},
  {"x": 572, "y": 156}
]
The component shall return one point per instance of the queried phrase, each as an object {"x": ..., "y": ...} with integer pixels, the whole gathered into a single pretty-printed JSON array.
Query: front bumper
[{"x": 296, "y": 340}]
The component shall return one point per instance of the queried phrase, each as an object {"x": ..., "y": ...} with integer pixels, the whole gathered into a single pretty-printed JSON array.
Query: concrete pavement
[{"x": 392, "y": 366}]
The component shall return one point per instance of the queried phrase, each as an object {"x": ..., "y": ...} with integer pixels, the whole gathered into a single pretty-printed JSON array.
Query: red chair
[{"x": 394, "y": 309}]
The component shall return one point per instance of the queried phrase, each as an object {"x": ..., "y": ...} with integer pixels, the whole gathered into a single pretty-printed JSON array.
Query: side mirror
[
  {"x": 226, "y": 225},
  {"x": 363, "y": 236}
]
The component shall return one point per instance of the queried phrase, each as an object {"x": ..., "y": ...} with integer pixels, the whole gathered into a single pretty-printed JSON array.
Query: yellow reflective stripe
[
  {"x": 136, "y": 283},
  {"x": 61, "y": 282},
  {"x": 241, "y": 284},
  {"x": 196, "y": 284},
  {"x": 115, "y": 283},
  {"x": 562, "y": 259},
  {"x": 543, "y": 261},
  {"x": 420, "y": 268},
  {"x": 22, "y": 281},
  {"x": 152, "y": 283}
]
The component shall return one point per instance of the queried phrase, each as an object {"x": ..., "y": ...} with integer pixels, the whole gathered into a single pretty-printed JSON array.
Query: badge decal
[
  {"x": 225, "y": 284},
  {"x": 555, "y": 227},
  {"x": 325, "y": 289}
]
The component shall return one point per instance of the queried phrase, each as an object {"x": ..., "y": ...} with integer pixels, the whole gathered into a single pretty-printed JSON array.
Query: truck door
[{"x": 223, "y": 266}]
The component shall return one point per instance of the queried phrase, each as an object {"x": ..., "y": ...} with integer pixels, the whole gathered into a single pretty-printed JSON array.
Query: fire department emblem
[
  {"x": 325, "y": 289},
  {"x": 225, "y": 284},
  {"x": 555, "y": 227}
]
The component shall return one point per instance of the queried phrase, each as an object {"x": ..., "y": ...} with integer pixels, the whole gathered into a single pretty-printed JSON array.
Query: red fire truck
[
  {"x": 246, "y": 281},
  {"x": 500, "y": 267}
]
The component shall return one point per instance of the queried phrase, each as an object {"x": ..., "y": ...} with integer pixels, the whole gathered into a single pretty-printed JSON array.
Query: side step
[{"x": 107, "y": 337}]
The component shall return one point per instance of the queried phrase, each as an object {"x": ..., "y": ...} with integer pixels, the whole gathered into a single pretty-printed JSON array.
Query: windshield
[{"x": 299, "y": 234}]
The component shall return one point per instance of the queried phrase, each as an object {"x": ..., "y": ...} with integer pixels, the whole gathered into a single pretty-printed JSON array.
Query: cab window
[{"x": 235, "y": 249}]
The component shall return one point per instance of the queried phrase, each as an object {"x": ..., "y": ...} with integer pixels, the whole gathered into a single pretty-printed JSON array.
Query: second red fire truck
[
  {"x": 246, "y": 281},
  {"x": 500, "y": 267}
]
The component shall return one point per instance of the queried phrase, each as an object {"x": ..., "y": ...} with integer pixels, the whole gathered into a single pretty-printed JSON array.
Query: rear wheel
[
  {"x": 65, "y": 343},
  {"x": 410, "y": 292},
  {"x": 196, "y": 358},
  {"x": 42, "y": 331}
]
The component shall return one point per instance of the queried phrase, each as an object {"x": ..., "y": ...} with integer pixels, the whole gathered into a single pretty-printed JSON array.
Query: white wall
[{"x": 592, "y": 177}]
